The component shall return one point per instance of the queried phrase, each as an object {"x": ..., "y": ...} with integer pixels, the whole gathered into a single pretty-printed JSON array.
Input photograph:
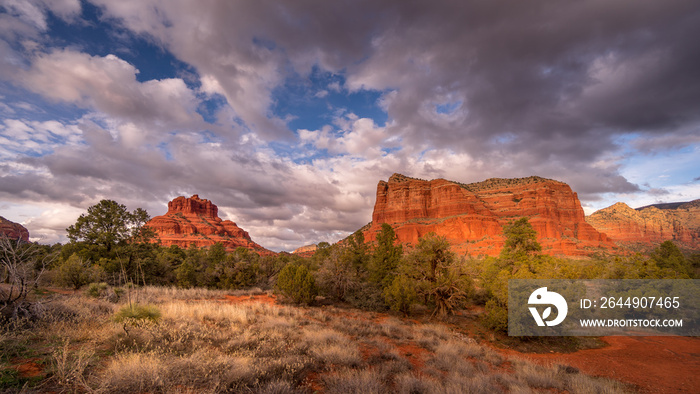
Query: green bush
[
  {"x": 400, "y": 295},
  {"x": 496, "y": 316},
  {"x": 297, "y": 283},
  {"x": 137, "y": 314},
  {"x": 76, "y": 272}
]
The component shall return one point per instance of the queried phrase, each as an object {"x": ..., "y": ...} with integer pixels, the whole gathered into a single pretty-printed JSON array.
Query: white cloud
[
  {"x": 108, "y": 84},
  {"x": 34, "y": 12},
  {"x": 22, "y": 137}
]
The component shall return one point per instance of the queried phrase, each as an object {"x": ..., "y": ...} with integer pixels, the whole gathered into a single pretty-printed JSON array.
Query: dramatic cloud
[{"x": 286, "y": 114}]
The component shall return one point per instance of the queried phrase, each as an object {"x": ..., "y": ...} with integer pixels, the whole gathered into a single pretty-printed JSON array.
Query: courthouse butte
[
  {"x": 196, "y": 221},
  {"x": 472, "y": 216}
]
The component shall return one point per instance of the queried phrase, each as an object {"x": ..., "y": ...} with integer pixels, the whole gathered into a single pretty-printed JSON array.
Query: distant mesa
[
  {"x": 650, "y": 225},
  {"x": 196, "y": 221},
  {"x": 13, "y": 230},
  {"x": 472, "y": 216},
  {"x": 305, "y": 251}
]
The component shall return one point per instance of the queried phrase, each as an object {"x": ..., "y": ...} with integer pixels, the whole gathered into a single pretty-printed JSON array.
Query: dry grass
[
  {"x": 203, "y": 344},
  {"x": 558, "y": 377}
]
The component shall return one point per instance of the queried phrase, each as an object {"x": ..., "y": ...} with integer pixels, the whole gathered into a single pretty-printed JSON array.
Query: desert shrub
[
  {"x": 338, "y": 275},
  {"x": 367, "y": 296},
  {"x": 400, "y": 295},
  {"x": 137, "y": 315},
  {"x": 97, "y": 290},
  {"x": 297, "y": 283},
  {"x": 438, "y": 277},
  {"x": 496, "y": 316},
  {"x": 76, "y": 272}
]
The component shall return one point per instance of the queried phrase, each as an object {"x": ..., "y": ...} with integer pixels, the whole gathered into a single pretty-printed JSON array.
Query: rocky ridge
[
  {"x": 650, "y": 225},
  {"x": 13, "y": 230},
  {"x": 196, "y": 221},
  {"x": 472, "y": 216}
]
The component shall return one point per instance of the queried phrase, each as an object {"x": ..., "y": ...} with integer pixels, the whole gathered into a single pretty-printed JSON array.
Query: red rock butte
[
  {"x": 196, "y": 221},
  {"x": 472, "y": 216},
  {"x": 13, "y": 230},
  {"x": 649, "y": 226}
]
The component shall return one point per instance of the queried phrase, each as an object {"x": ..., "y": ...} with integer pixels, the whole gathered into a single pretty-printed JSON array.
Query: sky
[{"x": 286, "y": 114}]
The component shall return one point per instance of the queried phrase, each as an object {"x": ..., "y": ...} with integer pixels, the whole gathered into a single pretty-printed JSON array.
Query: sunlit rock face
[
  {"x": 196, "y": 221},
  {"x": 13, "y": 230},
  {"x": 472, "y": 216},
  {"x": 649, "y": 226},
  {"x": 305, "y": 251}
]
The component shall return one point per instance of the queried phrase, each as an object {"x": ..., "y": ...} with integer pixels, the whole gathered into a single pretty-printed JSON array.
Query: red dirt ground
[
  {"x": 654, "y": 364},
  {"x": 262, "y": 298},
  {"x": 27, "y": 368},
  {"x": 414, "y": 354}
]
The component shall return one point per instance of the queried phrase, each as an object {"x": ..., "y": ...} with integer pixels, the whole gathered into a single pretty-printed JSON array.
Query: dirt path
[{"x": 654, "y": 364}]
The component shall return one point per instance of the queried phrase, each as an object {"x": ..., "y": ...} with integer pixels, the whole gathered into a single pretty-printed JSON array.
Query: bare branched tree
[{"x": 21, "y": 267}]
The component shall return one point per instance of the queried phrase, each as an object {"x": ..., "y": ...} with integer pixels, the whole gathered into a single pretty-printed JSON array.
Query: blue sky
[{"x": 287, "y": 114}]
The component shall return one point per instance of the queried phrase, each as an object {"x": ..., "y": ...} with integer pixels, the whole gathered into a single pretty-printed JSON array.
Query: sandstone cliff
[
  {"x": 472, "y": 216},
  {"x": 649, "y": 226},
  {"x": 13, "y": 230},
  {"x": 196, "y": 221},
  {"x": 305, "y": 251}
]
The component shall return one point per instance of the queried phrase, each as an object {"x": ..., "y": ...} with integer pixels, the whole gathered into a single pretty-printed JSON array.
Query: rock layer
[
  {"x": 13, "y": 230},
  {"x": 472, "y": 216},
  {"x": 649, "y": 226},
  {"x": 196, "y": 221}
]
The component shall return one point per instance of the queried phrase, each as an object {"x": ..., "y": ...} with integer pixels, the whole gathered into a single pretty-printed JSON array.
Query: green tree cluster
[{"x": 296, "y": 282}]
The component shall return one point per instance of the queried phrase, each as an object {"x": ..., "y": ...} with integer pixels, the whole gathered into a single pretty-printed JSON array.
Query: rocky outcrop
[
  {"x": 196, "y": 221},
  {"x": 651, "y": 225},
  {"x": 13, "y": 230},
  {"x": 472, "y": 216},
  {"x": 305, "y": 251}
]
